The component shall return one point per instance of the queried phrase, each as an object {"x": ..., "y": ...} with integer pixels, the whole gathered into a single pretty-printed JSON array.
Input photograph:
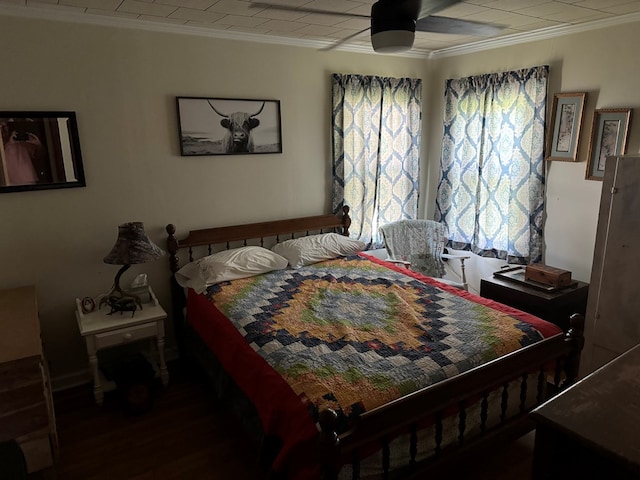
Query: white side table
[{"x": 103, "y": 330}]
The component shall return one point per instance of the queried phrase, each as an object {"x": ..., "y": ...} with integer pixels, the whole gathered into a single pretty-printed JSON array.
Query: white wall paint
[
  {"x": 122, "y": 84},
  {"x": 602, "y": 63}
]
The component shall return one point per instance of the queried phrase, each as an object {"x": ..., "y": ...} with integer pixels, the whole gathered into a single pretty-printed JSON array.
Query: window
[
  {"x": 376, "y": 150},
  {"x": 491, "y": 190}
]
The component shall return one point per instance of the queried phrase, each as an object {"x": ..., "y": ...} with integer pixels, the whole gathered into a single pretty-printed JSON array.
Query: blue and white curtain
[
  {"x": 491, "y": 189},
  {"x": 376, "y": 150}
]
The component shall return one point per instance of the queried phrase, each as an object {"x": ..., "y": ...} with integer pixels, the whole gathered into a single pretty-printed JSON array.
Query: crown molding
[
  {"x": 63, "y": 15},
  {"x": 542, "y": 34},
  {"x": 69, "y": 16}
]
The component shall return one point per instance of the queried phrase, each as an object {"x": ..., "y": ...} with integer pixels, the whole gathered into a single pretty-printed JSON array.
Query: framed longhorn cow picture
[{"x": 226, "y": 126}]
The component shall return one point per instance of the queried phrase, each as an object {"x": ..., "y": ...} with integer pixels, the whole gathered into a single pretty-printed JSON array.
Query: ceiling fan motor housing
[{"x": 392, "y": 28}]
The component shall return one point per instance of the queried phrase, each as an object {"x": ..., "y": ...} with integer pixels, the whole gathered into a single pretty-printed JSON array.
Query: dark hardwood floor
[{"x": 188, "y": 435}]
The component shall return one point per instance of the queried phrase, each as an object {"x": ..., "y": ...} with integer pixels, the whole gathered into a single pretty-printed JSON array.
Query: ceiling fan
[{"x": 394, "y": 22}]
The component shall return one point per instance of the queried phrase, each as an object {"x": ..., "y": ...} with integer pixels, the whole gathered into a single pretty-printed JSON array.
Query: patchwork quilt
[{"x": 352, "y": 334}]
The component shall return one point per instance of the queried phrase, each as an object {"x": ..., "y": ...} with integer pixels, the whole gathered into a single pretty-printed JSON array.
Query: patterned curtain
[
  {"x": 376, "y": 150},
  {"x": 491, "y": 189}
]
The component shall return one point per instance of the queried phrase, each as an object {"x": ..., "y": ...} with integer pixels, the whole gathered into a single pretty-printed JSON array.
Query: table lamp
[{"x": 132, "y": 246}]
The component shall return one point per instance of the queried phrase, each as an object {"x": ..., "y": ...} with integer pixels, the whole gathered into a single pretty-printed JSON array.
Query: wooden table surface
[
  {"x": 602, "y": 411},
  {"x": 19, "y": 326}
]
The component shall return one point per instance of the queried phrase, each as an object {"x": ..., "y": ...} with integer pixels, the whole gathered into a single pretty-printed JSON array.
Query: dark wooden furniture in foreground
[
  {"x": 591, "y": 429},
  {"x": 556, "y": 357},
  {"x": 26, "y": 407},
  {"x": 555, "y": 307}
]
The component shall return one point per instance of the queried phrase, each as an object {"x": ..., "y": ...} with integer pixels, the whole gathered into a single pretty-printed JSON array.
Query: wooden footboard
[{"x": 553, "y": 362}]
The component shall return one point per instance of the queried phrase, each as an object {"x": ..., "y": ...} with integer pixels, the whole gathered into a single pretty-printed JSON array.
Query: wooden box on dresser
[{"x": 26, "y": 405}]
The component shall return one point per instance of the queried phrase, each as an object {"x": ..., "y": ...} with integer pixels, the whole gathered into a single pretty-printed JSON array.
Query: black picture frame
[
  {"x": 228, "y": 126},
  {"x": 39, "y": 151}
]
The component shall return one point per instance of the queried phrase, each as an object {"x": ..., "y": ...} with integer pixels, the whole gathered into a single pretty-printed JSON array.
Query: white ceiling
[{"x": 238, "y": 19}]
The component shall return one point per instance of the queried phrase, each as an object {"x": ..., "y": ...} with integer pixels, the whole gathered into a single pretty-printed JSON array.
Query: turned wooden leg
[
  {"x": 328, "y": 445},
  {"x": 463, "y": 274},
  {"x": 164, "y": 373},
  {"x": 98, "y": 394}
]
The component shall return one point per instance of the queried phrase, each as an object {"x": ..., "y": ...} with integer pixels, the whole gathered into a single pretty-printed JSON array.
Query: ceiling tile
[
  {"x": 625, "y": 9},
  {"x": 603, "y": 5},
  {"x": 145, "y": 8},
  {"x": 111, "y": 13},
  {"x": 196, "y": 15},
  {"x": 240, "y": 21},
  {"x": 518, "y": 16},
  {"x": 55, "y": 6},
  {"x": 155, "y": 19},
  {"x": 280, "y": 26},
  {"x": 333, "y": 5},
  {"x": 197, "y": 4},
  {"x": 276, "y": 14},
  {"x": 102, "y": 4},
  {"x": 233, "y": 7},
  {"x": 317, "y": 30}
]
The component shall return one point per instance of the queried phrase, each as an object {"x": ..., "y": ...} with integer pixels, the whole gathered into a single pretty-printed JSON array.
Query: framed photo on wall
[
  {"x": 226, "y": 126},
  {"x": 39, "y": 151},
  {"x": 566, "y": 120},
  {"x": 608, "y": 137}
]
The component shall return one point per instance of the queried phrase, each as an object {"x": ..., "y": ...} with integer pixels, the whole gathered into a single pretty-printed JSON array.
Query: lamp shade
[{"x": 133, "y": 246}]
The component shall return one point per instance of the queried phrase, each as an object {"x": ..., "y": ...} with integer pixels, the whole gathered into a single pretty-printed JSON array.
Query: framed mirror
[{"x": 39, "y": 151}]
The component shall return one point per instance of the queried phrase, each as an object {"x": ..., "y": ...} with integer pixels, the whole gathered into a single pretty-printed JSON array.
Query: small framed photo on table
[
  {"x": 608, "y": 137},
  {"x": 566, "y": 120}
]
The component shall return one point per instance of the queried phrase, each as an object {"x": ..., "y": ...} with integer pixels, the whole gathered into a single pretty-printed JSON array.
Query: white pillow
[
  {"x": 228, "y": 265},
  {"x": 316, "y": 248}
]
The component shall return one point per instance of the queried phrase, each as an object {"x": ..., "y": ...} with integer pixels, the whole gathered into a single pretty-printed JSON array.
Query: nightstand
[
  {"x": 103, "y": 330},
  {"x": 555, "y": 307}
]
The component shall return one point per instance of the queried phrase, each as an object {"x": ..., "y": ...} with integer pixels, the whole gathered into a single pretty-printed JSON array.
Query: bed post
[
  {"x": 178, "y": 300},
  {"x": 575, "y": 335},
  {"x": 346, "y": 220},
  {"x": 328, "y": 445},
  {"x": 172, "y": 247}
]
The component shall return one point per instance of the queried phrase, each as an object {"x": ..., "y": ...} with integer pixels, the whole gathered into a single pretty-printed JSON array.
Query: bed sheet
[{"x": 290, "y": 366}]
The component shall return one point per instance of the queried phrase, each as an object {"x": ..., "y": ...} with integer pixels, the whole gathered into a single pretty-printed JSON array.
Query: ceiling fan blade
[
  {"x": 408, "y": 8},
  {"x": 343, "y": 40},
  {"x": 456, "y": 26},
  {"x": 432, "y": 6},
  {"x": 305, "y": 10}
]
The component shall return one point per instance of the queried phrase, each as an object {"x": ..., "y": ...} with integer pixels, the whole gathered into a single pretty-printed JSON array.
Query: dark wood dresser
[
  {"x": 555, "y": 307},
  {"x": 590, "y": 431},
  {"x": 26, "y": 405}
]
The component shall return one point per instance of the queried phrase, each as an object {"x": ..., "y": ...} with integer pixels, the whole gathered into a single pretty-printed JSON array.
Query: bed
[{"x": 316, "y": 415}]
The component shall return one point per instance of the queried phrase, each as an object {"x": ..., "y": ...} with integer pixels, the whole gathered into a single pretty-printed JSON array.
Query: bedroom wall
[
  {"x": 601, "y": 63},
  {"x": 122, "y": 84}
]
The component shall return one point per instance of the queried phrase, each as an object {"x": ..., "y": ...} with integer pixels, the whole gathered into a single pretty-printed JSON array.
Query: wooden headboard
[
  {"x": 278, "y": 229},
  {"x": 208, "y": 238}
]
